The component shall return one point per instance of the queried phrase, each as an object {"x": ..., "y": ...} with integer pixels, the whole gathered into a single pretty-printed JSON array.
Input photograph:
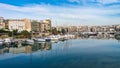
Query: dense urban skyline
[{"x": 62, "y": 12}]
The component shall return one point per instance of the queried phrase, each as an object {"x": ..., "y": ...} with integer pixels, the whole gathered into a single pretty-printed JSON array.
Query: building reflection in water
[
  {"x": 26, "y": 49},
  {"x": 99, "y": 36},
  {"x": 48, "y": 46},
  {"x": 50, "y": 49}
]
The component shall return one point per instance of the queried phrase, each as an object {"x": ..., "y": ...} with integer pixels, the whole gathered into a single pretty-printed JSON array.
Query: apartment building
[
  {"x": 42, "y": 27},
  {"x": 19, "y": 24},
  {"x": 45, "y": 27}
]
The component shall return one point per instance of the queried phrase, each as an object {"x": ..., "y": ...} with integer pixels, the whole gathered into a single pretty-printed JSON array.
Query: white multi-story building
[{"x": 19, "y": 24}]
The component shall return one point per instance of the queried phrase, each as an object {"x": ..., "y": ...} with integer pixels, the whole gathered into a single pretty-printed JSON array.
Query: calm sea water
[{"x": 79, "y": 53}]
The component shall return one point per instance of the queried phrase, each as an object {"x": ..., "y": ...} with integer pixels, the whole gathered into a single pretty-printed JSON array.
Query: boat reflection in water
[{"x": 100, "y": 36}]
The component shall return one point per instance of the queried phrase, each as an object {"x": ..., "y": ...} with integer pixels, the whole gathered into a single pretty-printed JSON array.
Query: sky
[{"x": 64, "y": 12}]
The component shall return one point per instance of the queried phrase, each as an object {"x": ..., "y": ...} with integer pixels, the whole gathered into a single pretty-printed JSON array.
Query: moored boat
[
  {"x": 40, "y": 40},
  {"x": 1, "y": 42},
  {"x": 7, "y": 40},
  {"x": 54, "y": 38},
  {"x": 29, "y": 40}
]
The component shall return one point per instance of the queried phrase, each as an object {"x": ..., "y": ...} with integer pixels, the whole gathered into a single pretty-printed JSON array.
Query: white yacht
[
  {"x": 40, "y": 40},
  {"x": 1, "y": 41},
  {"x": 29, "y": 40}
]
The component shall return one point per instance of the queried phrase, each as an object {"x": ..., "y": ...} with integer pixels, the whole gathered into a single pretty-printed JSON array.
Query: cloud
[
  {"x": 83, "y": 2},
  {"x": 108, "y": 1},
  {"x": 74, "y": 1},
  {"x": 96, "y": 2},
  {"x": 101, "y": 1},
  {"x": 30, "y": 8},
  {"x": 63, "y": 15}
]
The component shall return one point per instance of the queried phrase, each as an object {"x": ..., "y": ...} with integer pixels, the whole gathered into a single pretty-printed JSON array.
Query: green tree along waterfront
[
  {"x": 14, "y": 33},
  {"x": 25, "y": 34},
  {"x": 63, "y": 31},
  {"x": 54, "y": 31},
  {"x": 3, "y": 33}
]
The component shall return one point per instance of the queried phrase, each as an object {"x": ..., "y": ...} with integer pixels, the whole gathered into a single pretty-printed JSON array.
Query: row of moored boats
[
  {"x": 52, "y": 38},
  {"x": 7, "y": 41}
]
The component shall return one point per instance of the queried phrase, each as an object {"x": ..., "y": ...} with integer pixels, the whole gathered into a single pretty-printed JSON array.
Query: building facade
[
  {"x": 19, "y": 24},
  {"x": 45, "y": 27},
  {"x": 72, "y": 29},
  {"x": 42, "y": 27},
  {"x": 2, "y": 24}
]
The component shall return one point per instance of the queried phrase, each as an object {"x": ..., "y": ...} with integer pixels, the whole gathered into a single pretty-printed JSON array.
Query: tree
[
  {"x": 15, "y": 32},
  {"x": 54, "y": 31},
  {"x": 25, "y": 34},
  {"x": 59, "y": 32},
  {"x": 3, "y": 31},
  {"x": 10, "y": 33},
  {"x": 63, "y": 31}
]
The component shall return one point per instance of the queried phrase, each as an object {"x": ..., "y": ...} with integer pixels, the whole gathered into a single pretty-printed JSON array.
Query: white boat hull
[
  {"x": 40, "y": 40},
  {"x": 30, "y": 41}
]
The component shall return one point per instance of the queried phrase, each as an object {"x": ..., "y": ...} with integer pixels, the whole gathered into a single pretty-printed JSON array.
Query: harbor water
[{"x": 74, "y": 53}]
